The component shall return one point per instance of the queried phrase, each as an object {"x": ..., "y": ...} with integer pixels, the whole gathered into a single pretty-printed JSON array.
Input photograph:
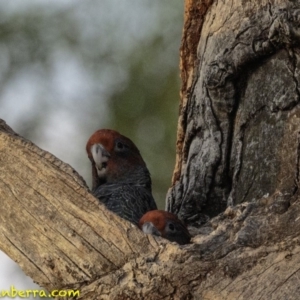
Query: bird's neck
[{"x": 139, "y": 177}]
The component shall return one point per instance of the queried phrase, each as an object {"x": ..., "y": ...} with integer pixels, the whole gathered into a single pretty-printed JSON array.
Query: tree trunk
[
  {"x": 238, "y": 147},
  {"x": 238, "y": 133}
]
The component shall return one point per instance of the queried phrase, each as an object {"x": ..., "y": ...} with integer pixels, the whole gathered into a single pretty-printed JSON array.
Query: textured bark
[
  {"x": 238, "y": 136},
  {"x": 238, "y": 141},
  {"x": 63, "y": 238}
]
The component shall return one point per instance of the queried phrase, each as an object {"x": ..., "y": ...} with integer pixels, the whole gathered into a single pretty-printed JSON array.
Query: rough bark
[
  {"x": 238, "y": 140},
  {"x": 63, "y": 238},
  {"x": 238, "y": 133}
]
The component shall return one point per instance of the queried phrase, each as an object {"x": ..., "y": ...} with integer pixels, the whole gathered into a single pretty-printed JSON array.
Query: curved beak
[
  {"x": 100, "y": 156},
  {"x": 149, "y": 228}
]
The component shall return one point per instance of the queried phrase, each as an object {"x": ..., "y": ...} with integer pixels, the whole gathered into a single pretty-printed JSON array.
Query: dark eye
[
  {"x": 120, "y": 146},
  {"x": 171, "y": 226}
]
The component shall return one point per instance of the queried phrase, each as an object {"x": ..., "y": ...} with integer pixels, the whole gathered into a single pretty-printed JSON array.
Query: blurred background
[{"x": 68, "y": 68}]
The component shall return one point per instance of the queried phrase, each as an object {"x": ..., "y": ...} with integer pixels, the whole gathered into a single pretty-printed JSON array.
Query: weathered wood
[
  {"x": 51, "y": 225},
  {"x": 239, "y": 126},
  {"x": 194, "y": 13},
  {"x": 238, "y": 140},
  {"x": 62, "y": 237}
]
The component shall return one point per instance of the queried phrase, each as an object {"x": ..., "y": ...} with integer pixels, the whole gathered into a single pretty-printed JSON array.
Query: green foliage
[{"x": 68, "y": 70}]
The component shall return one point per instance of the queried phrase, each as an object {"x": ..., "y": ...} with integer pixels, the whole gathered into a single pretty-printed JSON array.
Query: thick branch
[
  {"x": 62, "y": 237},
  {"x": 51, "y": 226}
]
